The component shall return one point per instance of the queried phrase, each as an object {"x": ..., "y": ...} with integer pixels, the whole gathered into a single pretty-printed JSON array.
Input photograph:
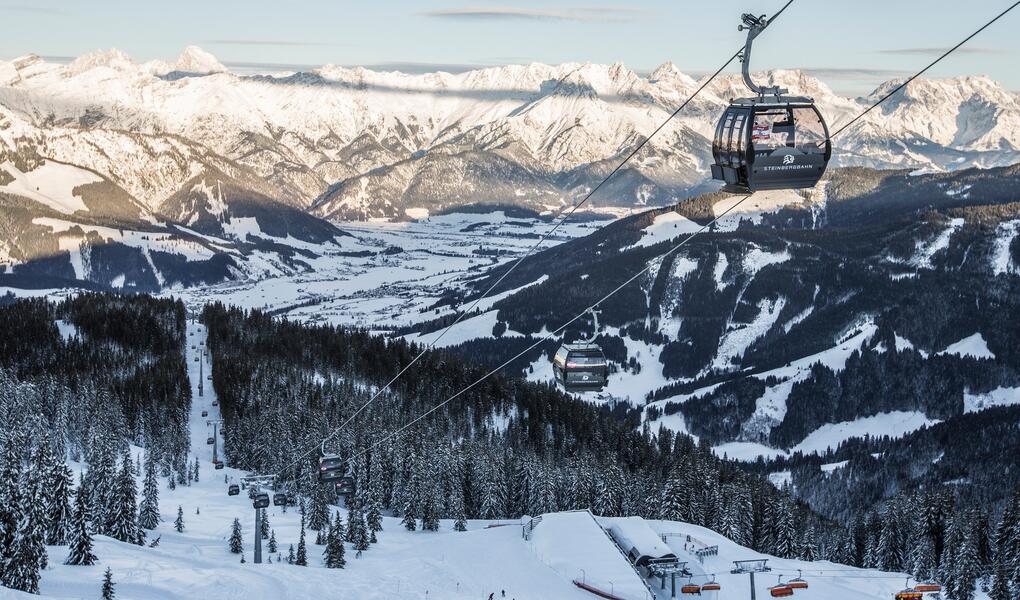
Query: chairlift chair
[
  {"x": 711, "y": 586},
  {"x": 769, "y": 141},
  {"x": 690, "y": 588},
  {"x": 781, "y": 590},
  {"x": 798, "y": 582},
  {"x": 928, "y": 587}
]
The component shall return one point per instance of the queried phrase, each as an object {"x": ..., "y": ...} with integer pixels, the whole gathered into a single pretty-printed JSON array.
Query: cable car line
[
  {"x": 759, "y": 25},
  {"x": 548, "y": 336},
  {"x": 678, "y": 246},
  {"x": 534, "y": 247},
  {"x": 924, "y": 70}
]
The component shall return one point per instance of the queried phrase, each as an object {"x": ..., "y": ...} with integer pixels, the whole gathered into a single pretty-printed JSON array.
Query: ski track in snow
[
  {"x": 1002, "y": 262},
  {"x": 737, "y": 340},
  {"x": 926, "y": 251},
  {"x": 893, "y": 424}
]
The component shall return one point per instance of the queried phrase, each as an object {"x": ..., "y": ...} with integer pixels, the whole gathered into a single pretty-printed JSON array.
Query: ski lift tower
[
  {"x": 661, "y": 567},
  {"x": 750, "y": 567},
  {"x": 216, "y": 424},
  {"x": 256, "y": 483}
]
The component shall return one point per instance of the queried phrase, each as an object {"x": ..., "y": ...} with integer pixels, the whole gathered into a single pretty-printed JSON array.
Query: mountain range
[{"x": 187, "y": 149}]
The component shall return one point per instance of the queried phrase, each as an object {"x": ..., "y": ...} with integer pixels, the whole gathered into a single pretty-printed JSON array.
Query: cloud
[
  {"x": 854, "y": 73},
  {"x": 268, "y": 43},
  {"x": 938, "y": 51},
  {"x": 577, "y": 14},
  {"x": 28, "y": 8}
]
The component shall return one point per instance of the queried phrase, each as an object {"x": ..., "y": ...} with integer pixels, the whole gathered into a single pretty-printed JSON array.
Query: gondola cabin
[
  {"x": 771, "y": 143},
  {"x": 260, "y": 500},
  {"x": 233, "y": 489},
  {"x": 205, "y": 413},
  {"x": 345, "y": 487},
  {"x": 279, "y": 499},
  {"x": 331, "y": 468},
  {"x": 218, "y": 465},
  {"x": 581, "y": 367},
  {"x": 210, "y": 441}
]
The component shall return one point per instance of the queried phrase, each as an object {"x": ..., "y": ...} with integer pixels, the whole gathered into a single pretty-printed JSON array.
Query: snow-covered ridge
[{"x": 306, "y": 131}]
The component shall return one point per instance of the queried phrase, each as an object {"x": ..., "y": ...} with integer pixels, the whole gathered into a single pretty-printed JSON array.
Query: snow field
[
  {"x": 50, "y": 184},
  {"x": 974, "y": 346}
]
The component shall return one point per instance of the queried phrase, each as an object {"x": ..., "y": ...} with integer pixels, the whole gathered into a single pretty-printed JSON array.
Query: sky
[{"x": 851, "y": 45}]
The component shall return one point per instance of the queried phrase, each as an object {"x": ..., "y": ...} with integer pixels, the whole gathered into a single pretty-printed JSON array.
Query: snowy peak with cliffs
[{"x": 352, "y": 142}]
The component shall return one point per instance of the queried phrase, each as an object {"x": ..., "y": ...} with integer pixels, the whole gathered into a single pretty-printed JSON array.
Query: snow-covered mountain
[
  {"x": 797, "y": 326},
  {"x": 351, "y": 142}
]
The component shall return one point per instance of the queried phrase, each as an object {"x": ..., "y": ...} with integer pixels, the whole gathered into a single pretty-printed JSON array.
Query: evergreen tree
[
  {"x": 59, "y": 506},
  {"x": 301, "y": 559},
  {"x": 373, "y": 517},
  {"x": 196, "y": 469},
  {"x": 290, "y": 555},
  {"x": 671, "y": 504},
  {"x": 236, "y": 541},
  {"x": 272, "y": 542},
  {"x": 354, "y": 523},
  {"x": 179, "y": 521},
  {"x": 23, "y": 557},
  {"x": 786, "y": 544},
  {"x": 456, "y": 511},
  {"x": 264, "y": 525},
  {"x": 967, "y": 567},
  {"x": 123, "y": 524},
  {"x": 108, "y": 585},
  {"x": 362, "y": 542},
  {"x": 1007, "y": 560},
  {"x": 80, "y": 536},
  {"x": 922, "y": 559},
  {"x": 10, "y": 501},
  {"x": 334, "y": 553},
  {"x": 148, "y": 513},
  {"x": 887, "y": 553},
  {"x": 429, "y": 512},
  {"x": 318, "y": 513}
]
